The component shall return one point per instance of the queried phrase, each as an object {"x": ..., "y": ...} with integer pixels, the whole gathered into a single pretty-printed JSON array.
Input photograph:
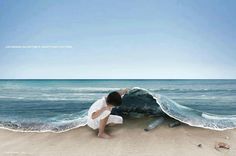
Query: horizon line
[{"x": 119, "y": 79}]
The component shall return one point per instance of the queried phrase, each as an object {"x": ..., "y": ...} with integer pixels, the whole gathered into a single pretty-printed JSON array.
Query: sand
[{"x": 128, "y": 139}]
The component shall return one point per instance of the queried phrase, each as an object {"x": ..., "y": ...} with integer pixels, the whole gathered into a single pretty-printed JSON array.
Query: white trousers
[{"x": 94, "y": 123}]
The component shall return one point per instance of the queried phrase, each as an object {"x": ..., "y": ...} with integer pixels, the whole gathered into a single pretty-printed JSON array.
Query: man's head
[{"x": 114, "y": 99}]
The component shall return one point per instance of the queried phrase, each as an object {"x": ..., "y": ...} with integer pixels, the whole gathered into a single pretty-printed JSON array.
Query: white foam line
[{"x": 43, "y": 131}]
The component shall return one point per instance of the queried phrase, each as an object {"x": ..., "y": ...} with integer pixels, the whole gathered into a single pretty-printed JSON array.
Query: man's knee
[
  {"x": 104, "y": 119},
  {"x": 115, "y": 119},
  {"x": 120, "y": 120}
]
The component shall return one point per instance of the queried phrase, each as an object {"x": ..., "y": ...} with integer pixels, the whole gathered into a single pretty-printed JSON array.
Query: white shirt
[{"x": 96, "y": 106}]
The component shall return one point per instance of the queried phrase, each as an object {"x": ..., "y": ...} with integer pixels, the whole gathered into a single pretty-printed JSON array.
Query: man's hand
[
  {"x": 123, "y": 91},
  {"x": 126, "y": 90}
]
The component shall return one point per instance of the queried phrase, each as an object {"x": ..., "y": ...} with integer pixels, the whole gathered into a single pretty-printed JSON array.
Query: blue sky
[{"x": 118, "y": 39}]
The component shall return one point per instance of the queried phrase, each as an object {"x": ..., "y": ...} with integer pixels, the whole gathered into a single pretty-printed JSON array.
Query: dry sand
[{"x": 128, "y": 139}]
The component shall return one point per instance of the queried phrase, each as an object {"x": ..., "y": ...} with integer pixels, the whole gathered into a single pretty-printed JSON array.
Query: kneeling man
[{"x": 99, "y": 113}]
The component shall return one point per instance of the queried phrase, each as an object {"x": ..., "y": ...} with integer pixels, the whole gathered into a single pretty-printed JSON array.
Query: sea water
[{"x": 60, "y": 105}]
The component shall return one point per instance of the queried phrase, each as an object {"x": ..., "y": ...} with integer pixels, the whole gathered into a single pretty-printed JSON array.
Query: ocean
[{"x": 61, "y": 105}]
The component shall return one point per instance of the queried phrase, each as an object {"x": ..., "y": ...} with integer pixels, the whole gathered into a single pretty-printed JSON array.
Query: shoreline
[
  {"x": 43, "y": 131},
  {"x": 128, "y": 139}
]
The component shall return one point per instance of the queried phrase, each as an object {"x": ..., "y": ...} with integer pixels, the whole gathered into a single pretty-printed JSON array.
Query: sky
[{"x": 118, "y": 39}]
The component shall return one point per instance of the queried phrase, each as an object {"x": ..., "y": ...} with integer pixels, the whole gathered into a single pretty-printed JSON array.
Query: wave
[
  {"x": 50, "y": 98},
  {"x": 202, "y": 90},
  {"x": 105, "y": 89},
  {"x": 34, "y": 127},
  {"x": 193, "y": 117},
  {"x": 60, "y": 124},
  {"x": 62, "y": 89},
  {"x": 53, "y": 93}
]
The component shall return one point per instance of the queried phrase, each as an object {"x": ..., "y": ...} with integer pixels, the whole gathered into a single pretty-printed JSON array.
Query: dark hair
[{"x": 114, "y": 99}]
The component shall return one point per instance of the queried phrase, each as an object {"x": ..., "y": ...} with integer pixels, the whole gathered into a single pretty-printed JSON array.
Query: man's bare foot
[{"x": 104, "y": 135}]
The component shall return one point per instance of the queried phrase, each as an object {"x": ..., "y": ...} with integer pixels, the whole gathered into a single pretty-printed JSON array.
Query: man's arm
[{"x": 99, "y": 112}]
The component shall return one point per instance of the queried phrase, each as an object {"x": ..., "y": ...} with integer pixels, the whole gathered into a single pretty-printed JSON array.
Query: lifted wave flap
[{"x": 188, "y": 115}]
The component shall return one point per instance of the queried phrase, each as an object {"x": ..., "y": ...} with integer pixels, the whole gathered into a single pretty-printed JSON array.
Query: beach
[
  {"x": 128, "y": 139},
  {"x": 56, "y": 110}
]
